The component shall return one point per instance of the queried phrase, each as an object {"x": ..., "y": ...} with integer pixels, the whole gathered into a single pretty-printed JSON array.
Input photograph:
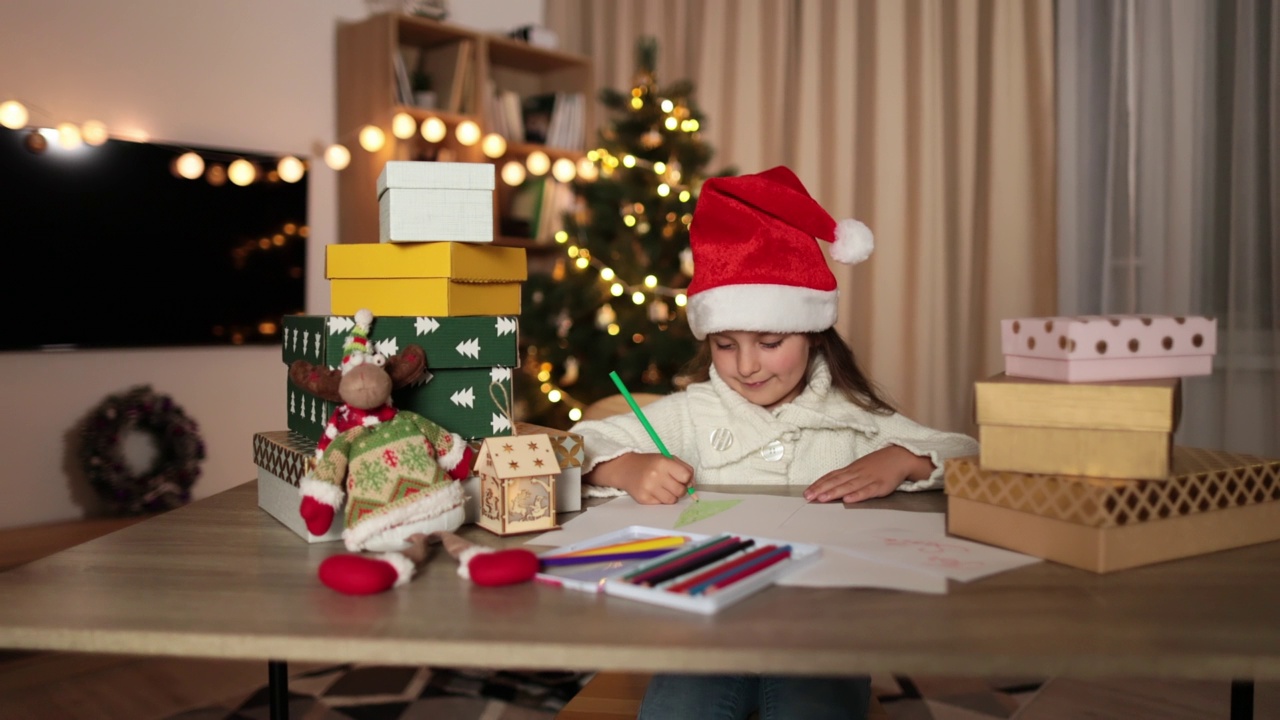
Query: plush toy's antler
[{"x": 365, "y": 575}]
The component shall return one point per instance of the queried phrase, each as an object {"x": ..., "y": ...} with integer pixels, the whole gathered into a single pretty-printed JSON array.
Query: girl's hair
[{"x": 846, "y": 376}]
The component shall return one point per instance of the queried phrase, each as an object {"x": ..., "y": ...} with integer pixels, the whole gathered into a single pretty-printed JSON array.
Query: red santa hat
[{"x": 757, "y": 263}]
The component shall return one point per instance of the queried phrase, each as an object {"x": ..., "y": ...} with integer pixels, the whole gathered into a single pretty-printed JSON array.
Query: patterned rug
[
  {"x": 384, "y": 692},
  {"x": 375, "y": 692}
]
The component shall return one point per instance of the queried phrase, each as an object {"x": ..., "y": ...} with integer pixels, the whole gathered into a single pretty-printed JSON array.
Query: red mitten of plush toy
[
  {"x": 365, "y": 575},
  {"x": 317, "y": 515},
  {"x": 320, "y": 502}
]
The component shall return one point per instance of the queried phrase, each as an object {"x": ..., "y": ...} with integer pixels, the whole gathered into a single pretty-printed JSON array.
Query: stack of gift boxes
[
  {"x": 1077, "y": 461},
  {"x": 435, "y": 280}
]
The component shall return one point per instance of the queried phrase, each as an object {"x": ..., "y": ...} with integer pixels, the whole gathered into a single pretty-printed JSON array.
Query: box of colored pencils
[{"x": 697, "y": 573}]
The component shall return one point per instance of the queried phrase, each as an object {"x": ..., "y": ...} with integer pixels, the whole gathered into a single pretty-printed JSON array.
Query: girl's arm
[{"x": 650, "y": 478}]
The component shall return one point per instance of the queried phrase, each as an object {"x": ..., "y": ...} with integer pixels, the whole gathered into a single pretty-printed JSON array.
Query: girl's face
[{"x": 768, "y": 369}]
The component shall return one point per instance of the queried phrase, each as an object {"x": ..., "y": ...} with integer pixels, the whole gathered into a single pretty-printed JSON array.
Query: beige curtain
[{"x": 930, "y": 120}]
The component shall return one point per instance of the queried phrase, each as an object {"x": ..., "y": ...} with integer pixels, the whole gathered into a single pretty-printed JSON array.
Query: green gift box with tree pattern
[{"x": 467, "y": 387}]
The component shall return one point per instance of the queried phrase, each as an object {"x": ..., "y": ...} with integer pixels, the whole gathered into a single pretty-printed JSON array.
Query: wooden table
[{"x": 222, "y": 579}]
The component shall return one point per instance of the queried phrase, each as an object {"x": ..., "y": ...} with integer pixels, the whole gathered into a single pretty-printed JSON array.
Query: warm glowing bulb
[
  {"x": 13, "y": 114},
  {"x": 629, "y": 220},
  {"x": 562, "y": 237},
  {"x": 69, "y": 136},
  {"x": 671, "y": 123},
  {"x": 372, "y": 138},
  {"x": 659, "y": 167},
  {"x": 629, "y": 161},
  {"x": 650, "y": 281},
  {"x": 93, "y": 132},
  {"x": 493, "y": 146},
  {"x": 684, "y": 196},
  {"x": 637, "y": 103},
  {"x": 664, "y": 190},
  {"x": 693, "y": 125},
  {"x": 637, "y": 297},
  {"x": 190, "y": 165},
  {"x": 434, "y": 130},
  {"x": 607, "y": 274},
  {"x": 572, "y": 251},
  {"x": 513, "y": 173},
  {"x": 575, "y": 414},
  {"x": 614, "y": 329},
  {"x": 668, "y": 106},
  {"x": 403, "y": 125},
  {"x": 582, "y": 263},
  {"x": 564, "y": 170},
  {"x": 467, "y": 132},
  {"x": 241, "y": 172},
  {"x": 681, "y": 300},
  {"x": 554, "y": 396},
  {"x": 538, "y": 163},
  {"x": 337, "y": 157},
  {"x": 616, "y": 289},
  {"x": 587, "y": 170},
  {"x": 290, "y": 168}
]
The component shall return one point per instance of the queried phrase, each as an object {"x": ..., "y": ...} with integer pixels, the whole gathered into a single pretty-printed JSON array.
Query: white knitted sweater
[{"x": 730, "y": 441}]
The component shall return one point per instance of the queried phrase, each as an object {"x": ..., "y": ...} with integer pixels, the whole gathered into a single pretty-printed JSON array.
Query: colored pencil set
[
  {"x": 709, "y": 566},
  {"x": 698, "y": 573}
]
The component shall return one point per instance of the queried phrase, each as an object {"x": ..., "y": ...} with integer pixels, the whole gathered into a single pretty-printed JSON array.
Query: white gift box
[{"x": 431, "y": 215}]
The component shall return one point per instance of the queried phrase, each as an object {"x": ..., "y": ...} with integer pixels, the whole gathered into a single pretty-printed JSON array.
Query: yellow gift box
[
  {"x": 1212, "y": 500},
  {"x": 444, "y": 279},
  {"x": 1120, "y": 429}
]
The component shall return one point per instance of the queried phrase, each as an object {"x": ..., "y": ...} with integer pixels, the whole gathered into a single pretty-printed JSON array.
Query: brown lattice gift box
[{"x": 1213, "y": 500}]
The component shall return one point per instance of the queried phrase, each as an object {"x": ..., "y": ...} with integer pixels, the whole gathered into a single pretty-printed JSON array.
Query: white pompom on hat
[{"x": 757, "y": 265}]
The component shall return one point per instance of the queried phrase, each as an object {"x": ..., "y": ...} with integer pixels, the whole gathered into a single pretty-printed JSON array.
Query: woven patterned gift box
[
  {"x": 283, "y": 458},
  {"x": 1099, "y": 348},
  {"x": 469, "y": 359},
  {"x": 1213, "y": 500}
]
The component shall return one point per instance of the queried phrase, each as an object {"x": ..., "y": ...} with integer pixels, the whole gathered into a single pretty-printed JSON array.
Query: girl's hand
[
  {"x": 873, "y": 475},
  {"x": 650, "y": 478}
]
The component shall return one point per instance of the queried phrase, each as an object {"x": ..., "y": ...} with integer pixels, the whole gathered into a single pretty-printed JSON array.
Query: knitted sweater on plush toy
[
  {"x": 346, "y": 417},
  {"x": 401, "y": 476}
]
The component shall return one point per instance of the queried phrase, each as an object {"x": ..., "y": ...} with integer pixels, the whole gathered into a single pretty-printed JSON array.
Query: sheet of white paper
[
  {"x": 834, "y": 524},
  {"x": 910, "y": 541},
  {"x": 837, "y": 569},
  {"x": 751, "y": 515},
  {"x": 934, "y": 553}
]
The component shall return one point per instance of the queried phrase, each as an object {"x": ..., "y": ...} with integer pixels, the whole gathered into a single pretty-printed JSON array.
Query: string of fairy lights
[{"x": 192, "y": 164}]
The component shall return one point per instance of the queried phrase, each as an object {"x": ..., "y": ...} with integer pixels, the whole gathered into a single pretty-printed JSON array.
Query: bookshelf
[{"x": 378, "y": 60}]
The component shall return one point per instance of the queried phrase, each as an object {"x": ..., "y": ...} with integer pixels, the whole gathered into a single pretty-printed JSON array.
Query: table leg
[
  {"x": 278, "y": 689},
  {"x": 1241, "y": 700}
]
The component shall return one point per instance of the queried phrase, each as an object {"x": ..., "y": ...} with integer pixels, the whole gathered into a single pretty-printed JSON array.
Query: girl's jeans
[{"x": 774, "y": 697}]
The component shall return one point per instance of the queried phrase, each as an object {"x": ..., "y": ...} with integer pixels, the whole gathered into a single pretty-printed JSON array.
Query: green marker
[{"x": 645, "y": 422}]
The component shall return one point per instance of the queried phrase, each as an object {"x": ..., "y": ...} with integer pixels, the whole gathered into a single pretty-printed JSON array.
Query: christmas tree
[{"x": 615, "y": 300}]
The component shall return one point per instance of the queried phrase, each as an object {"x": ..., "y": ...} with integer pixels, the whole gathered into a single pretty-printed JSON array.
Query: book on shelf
[
  {"x": 404, "y": 87},
  {"x": 444, "y": 69}
]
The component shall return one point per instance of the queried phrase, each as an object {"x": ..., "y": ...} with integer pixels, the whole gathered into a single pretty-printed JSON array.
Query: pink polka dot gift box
[{"x": 1102, "y": 348}]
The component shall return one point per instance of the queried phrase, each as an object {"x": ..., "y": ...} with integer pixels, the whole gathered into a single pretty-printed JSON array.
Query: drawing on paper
[{"x": 703, "y": 510}]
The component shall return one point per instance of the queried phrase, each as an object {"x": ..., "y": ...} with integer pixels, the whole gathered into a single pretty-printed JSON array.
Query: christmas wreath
[{"x": 167, "y": 483}]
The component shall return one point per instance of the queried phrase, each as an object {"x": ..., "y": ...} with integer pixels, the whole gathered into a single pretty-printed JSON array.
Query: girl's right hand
[{"x": 649, "y": 478}]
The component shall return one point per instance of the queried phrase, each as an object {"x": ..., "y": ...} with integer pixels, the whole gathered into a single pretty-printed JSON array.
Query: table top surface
[{"x": 221, "y": 578}]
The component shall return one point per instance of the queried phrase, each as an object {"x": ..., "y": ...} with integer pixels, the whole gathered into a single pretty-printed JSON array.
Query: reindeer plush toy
[{"x": 394, "y": 475}]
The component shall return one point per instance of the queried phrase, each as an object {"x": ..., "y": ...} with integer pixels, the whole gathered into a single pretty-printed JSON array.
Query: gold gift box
[
  {"x": 1121, "y": 429},
  {"x": 1212, "y": 500},
  {"x": 445, "y": 279}
]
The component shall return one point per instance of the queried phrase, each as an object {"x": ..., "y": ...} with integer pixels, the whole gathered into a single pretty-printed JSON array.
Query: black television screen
[{"x": 107, "y": 247}]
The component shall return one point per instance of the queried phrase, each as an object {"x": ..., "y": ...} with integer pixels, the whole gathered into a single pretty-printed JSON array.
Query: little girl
[{"x": 777, "y": 399}]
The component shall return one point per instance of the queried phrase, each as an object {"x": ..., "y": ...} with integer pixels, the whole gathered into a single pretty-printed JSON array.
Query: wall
[{"x": 231, "y": 73}]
